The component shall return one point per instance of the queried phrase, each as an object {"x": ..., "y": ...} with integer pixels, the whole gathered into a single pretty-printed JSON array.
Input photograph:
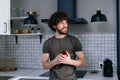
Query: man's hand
[
  {"x": 65, "y": 58},
  {"x": 58, "y": 59},
  {"x": 62, "y": 58}
]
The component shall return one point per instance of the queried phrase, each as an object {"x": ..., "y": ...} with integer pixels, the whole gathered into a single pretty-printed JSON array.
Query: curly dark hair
[{"x": 56, "y": 18}]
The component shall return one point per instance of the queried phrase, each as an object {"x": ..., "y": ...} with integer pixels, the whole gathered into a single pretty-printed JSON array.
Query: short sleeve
[
  {"x": 77, "y": 44},
  {"x": 46, "y": 47}
]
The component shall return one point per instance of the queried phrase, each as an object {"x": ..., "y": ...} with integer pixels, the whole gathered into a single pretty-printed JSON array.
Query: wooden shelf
[
  {"x": 37, "y": 34},
  {"x": 28, "y": 34},
  {"x": 18, "y": 18}
]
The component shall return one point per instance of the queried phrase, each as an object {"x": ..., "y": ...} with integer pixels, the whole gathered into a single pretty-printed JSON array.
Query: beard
[{"x": 62, "y": 32}]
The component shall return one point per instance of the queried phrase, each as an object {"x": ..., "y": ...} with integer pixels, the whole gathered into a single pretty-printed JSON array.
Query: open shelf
[
  {"x": 18, "y": 18},
  {"x": 29, "y": 34}
]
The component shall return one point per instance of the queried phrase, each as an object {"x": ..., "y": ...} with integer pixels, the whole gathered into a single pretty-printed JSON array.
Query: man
[{"x": 62, "y": 66}]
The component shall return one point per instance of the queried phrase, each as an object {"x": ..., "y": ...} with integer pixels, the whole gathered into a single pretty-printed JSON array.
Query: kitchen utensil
[
  {"x": 107, "y": 68},
  {"x": 93, "y": 71},
  {"x": 7, "y": 64},
  {"x": 15, "y": 31}
]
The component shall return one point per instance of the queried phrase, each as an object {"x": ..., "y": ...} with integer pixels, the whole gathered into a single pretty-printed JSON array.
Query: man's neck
[{"x": 57, "y": 35}]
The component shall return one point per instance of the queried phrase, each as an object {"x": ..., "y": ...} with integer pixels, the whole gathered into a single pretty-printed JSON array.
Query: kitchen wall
[
  {"x": 98, "y": 39},
  {"x": 2, "y": 46},
  {"x": 27, "y": 52},
  {"x": 84, "y": 8}
]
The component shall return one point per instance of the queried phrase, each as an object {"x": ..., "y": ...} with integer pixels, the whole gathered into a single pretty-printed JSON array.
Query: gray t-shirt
[{"x": 55, "y": 46}]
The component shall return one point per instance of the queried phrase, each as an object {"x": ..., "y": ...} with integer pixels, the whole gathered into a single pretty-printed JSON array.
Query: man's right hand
[{"x": 59, "y": 58}]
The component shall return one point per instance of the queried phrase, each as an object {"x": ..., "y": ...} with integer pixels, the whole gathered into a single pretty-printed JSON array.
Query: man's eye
[{"x": 60, "y": 23}]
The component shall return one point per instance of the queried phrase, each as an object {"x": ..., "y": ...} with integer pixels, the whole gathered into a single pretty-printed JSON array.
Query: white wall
[{"x": 85, "y": 9}]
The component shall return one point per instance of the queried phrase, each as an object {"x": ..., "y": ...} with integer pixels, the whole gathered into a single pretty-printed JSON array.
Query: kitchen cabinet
[
  {"x": 5, "y": 17},
  {"x": 11, "y": 19}
]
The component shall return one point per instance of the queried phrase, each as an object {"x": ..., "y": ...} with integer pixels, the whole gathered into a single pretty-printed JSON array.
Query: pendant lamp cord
[{"x": 30, "y": 5}]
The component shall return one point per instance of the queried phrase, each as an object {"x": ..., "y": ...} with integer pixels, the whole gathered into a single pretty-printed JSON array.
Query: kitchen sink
[
  {"x": 79, "y": 73},
  {"x": 32, "y": 79}
]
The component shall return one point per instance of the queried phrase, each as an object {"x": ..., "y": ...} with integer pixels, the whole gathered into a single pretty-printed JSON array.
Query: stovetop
[
  {"x": 5, "y": 77},
  {"x": 79, "y": 73}
]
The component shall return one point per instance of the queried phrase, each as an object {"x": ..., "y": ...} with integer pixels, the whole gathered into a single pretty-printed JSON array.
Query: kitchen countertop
[
  {"x": 18, "y": 72},
  {"x": 99, "y": 76},
  {"x": 35, "y": 73}
]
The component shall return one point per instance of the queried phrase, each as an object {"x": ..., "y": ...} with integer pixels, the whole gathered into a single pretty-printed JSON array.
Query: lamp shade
[
  {"x": 31, "y": 20},
  {"x": 99, "y": 17}
]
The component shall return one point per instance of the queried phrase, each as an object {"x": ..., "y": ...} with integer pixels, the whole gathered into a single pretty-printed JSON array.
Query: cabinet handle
[{"x": 5, "y": 27}]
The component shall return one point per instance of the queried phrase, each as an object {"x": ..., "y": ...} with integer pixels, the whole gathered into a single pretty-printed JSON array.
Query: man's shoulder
[
  {"x": 71, "y": 36},
  {"x": 49, "y": 39},
  {"x": 73, "y": 39}
]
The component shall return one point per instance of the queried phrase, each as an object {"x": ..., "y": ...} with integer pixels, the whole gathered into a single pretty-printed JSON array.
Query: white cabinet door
[{"x": 5, "y": 17}]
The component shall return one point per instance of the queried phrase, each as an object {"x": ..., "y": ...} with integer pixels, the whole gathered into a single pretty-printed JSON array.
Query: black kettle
[{"x": 107, "y": 68}]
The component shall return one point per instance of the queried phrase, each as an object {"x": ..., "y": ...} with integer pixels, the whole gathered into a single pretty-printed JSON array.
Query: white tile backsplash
[
  {"x": 2, "y": 46},
  {"x": 27, "y": 52}
]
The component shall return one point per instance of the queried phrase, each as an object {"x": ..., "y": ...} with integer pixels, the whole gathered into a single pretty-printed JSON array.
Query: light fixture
[
  {"x": 98, "y": 17},
  {"x": 31, "y": 20}
]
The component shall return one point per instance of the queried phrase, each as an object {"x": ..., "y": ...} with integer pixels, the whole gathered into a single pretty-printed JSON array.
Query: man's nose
[{"x": 65, "y": 25}]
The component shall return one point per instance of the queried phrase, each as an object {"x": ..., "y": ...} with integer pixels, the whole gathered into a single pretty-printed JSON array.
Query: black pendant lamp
[
  {"x": 31, "y": 20},
  {"x": 99, "y": 17}
]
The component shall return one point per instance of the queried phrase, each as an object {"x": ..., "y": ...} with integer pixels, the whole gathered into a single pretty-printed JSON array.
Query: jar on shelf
[
  {"x": 13, "y": 12},
  {"x": 32, "y": 30},
  {"x": 21, "y": 12},
  {"x": 38, "y": 30}
]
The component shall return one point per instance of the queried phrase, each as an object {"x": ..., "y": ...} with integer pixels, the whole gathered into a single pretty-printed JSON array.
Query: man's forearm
[
  {"x": 48, "y": 65},
  {"x": 78, "y": 62}
]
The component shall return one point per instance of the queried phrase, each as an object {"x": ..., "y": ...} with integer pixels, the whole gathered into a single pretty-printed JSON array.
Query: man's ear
[{"x": 54, "y": 27}]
